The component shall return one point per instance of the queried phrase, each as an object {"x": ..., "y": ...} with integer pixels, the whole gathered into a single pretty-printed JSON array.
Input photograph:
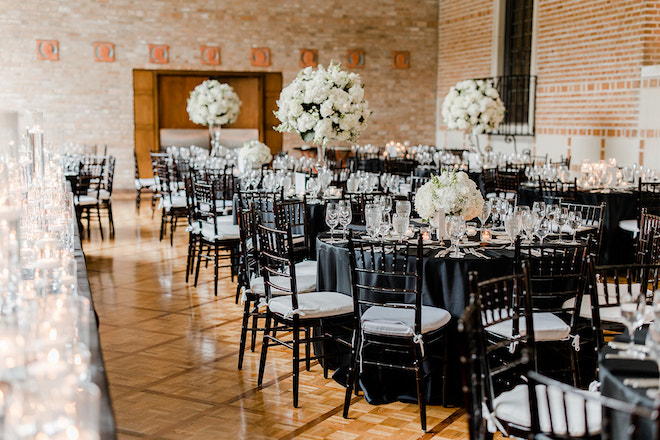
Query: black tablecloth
[
  {"x": 97, "y": 366},
  {"x": 612, "y": 373},
  {"x": 445, "y": 285},
  {"x": 617, "y": 245}
]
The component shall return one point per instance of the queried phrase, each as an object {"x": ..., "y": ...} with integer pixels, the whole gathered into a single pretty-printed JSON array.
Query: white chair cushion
[
  {"x": 175, "y": 202},
  {"x": 225, "y": 231},
  {"x": 401, "y": 322},
  {"x": 313, "y": 305},
  {"x": 513, "y": 407},
  {"x": 304, "y": 284},
  {"x": 607, "y": 314},
  {"x": 306, "y": 268},
  {"x": 145, "y": 183},
  {"x": 87, "y": 200},
  {"x": 547, "y": 327},
  {"x": 630, "y": 226}
]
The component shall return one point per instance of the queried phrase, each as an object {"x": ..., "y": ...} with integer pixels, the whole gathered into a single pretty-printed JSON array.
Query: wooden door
[{"x": 145, "y": 117}]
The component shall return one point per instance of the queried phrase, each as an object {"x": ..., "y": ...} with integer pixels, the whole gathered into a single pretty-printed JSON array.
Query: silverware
[{"x": 442, "y": 253}]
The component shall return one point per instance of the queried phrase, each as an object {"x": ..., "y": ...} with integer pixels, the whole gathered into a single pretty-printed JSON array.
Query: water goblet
[
  {"x": 512, "y": 227},
  {"x": 456, "y": 231},
  {"x": 403, "y": 208},
  {"x": 400, "y": 224},
  {"x": 539, "y": 207},
  {"x": 332, "y": 218},
  {"x": 372, "y": 216},
  {"x": 384, "y": 226},
  {"x": 484, "y": 214}
]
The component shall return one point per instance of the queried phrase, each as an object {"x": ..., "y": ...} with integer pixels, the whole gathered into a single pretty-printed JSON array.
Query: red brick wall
[{"x": 90, "y": 102}]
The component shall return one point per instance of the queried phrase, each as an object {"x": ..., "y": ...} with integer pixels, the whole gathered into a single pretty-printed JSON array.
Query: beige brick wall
[{"x": 90, "y": 102}]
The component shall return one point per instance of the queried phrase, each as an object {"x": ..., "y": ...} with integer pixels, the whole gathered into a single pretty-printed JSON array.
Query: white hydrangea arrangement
[
  {"x": 452, "y": 192},
  {"x": 323, "y": 105},
  {"x": 213, "y": 103},
  {"x": 255, "y": 152},
  {"x": 473, "y": 104}
]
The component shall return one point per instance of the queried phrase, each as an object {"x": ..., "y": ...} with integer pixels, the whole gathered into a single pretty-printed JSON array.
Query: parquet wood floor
[{"x": 171, "y": 353}]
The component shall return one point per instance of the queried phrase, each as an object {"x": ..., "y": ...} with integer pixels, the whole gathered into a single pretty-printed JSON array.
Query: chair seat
[
  {"x": 306, "y": 268},
  {"x": 547, "y": 327},
  {"x": 225, "y": 232},
  {"x": 629, "y": 225},
  {"x": 390, "y": 321},
  {"x": 174, "y": 202},
  {"x": 313, "y": 305},
  {"x": 87, "y": 200},
  {"x": 610, "y": 314},
  {"x": 513, "y": 407},
  {"x": 103, "y": 195},
  {"x": 303, "y": 283}
]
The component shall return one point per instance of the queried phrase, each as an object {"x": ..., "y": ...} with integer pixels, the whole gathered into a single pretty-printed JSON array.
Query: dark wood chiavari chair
[{"x": 389, "y": 316}]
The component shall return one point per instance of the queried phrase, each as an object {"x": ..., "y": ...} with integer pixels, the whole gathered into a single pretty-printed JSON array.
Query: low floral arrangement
[
  {"x": 213, "y": 103},
  {"x": 255, "y": 152},
  {"x": 452, "y": 192},
  {"x": 473, "y": 104},
  {"x": 323, "y": 105}
]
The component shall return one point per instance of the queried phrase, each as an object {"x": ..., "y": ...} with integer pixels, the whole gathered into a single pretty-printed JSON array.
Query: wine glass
[
  {"x": 574, "y": 222},
  {"x": 632, "y": 304},
  {"x": 529, "y": 220},
  {"x": 332, "y": 218},
  {"x": 384, "y": 226},
  {"x": 542, "y": 229},
  {"x": 345, "y": 215},
  {"x": 456, "y": 231},
  {"x": 551, "y": 214},
  {"x": 484, "y": 214},
  {"x": 512, "y": 226},
  {"x": 539, "y": 207},
  {"x": 561, "y": 218},
  {"x": 403, "y": 208},
  {"x": 400, "y": 225}
]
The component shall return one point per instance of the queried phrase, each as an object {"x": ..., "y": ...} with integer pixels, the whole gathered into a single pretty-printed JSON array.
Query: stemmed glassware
[
  {"x": 561, "y": 218},
  {"x": 574, "y": 222},
  {"x": 332, "y": 218},
  {"x": 512, "y": 227},
  {"x": 529, "y": 220},
  {"x": 400, "y": 224},
  {"x": 372, "y": 218},
  {"x": 542, "y": 229},
  {"x": 456, "y": 226},
  {"x": 384, "y": 226},
  {"x": 403, "y": 208},
  {"x": 345, "y": 215},
  {"x": 551, "y": 214},
  {"x": 484, "y": 214},
  {"x": 632, "y": 304}
]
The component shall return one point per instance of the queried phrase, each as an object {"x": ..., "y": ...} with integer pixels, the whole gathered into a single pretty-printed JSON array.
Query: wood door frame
[{"x": 267, "y": 80}]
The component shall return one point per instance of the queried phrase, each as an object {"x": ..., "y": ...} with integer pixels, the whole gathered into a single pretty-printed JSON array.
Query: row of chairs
[{"x": 92, "y": 190}]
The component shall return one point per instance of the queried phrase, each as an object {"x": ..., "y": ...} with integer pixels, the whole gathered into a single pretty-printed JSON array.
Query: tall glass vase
[{"x": 214, "y": 134}]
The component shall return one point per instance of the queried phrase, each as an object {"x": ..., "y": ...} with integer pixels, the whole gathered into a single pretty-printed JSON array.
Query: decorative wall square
[
  {"x": 104, "y": 52},
  {"x": 260, "y": 56},
  {"x": 401, "y": 59},
  {"x": 48, "y": 50},
  {"x": 355, "y": 59},
  {"x": 309, "y": 58},
  {"x": 159, "y": 53},
  {"x": 210, "y": 55}
]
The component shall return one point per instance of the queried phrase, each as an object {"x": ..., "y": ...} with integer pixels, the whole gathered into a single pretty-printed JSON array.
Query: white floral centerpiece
[
  {"x": 450, "y": 193},
  {"x": 255, "y": 152},
  {"x": 324, "y": 104},
  {"x": 213, "y": 103},
  {"x": 473, "y": 104}
]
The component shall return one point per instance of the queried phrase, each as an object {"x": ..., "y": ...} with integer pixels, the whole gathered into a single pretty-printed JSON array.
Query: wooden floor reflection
[{"x": 171, "y": 352}]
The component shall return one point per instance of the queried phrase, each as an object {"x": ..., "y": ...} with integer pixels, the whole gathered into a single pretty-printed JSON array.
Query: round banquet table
[
  {"x": 617, "y": 247},
  {"x": 445, "y": 284}
]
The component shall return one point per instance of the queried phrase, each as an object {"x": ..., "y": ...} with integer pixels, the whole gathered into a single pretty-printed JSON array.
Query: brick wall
[
  {"x": 92, "y": 103},
  {"x": 589, "y": 59}
]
